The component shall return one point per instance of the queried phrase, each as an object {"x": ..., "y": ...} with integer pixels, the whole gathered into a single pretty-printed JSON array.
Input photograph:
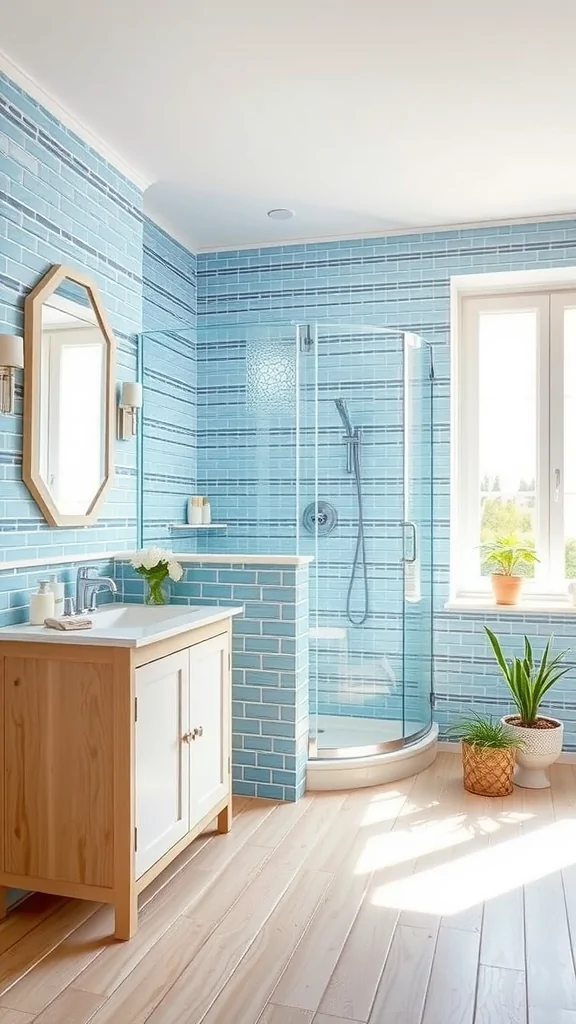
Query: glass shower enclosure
[
  {"x": 314, "y": 439},
  {"x": 364, "y": 498}
]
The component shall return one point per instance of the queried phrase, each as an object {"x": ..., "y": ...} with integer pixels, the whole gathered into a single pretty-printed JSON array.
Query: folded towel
[{"x": 69, "y": 622}]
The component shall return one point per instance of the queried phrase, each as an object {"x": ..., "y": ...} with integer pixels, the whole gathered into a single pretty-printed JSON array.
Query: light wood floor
[{"x": 411, "y": 903}]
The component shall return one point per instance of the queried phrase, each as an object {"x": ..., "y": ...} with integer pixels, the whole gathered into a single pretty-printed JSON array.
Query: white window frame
[{"x": 549, "y": 296}]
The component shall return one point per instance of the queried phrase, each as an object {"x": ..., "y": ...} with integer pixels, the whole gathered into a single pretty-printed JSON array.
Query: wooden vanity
[{"x": 114, "y": 759}]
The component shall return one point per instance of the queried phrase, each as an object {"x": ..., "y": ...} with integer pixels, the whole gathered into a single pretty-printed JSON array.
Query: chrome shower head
[{"x": 343, "y": 413}]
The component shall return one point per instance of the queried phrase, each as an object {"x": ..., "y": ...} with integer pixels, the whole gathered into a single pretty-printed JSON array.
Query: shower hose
[{"x": 358, "y": 618}]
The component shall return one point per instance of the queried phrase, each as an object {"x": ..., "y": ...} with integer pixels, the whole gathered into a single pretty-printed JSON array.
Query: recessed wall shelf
[{"x": 198, "y": 526}]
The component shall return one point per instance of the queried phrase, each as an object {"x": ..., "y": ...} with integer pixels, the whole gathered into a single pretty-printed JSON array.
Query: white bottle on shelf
[
  {"x": 206, "y": 513},
  {"x": 42, "y": 604},
  {"x": 194, "y": 511}
]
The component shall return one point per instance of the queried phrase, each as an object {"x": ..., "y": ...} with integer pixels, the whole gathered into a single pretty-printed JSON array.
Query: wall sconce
[
  {"x": 11, "y": 358},
  {"x": 130, "y": 402}
]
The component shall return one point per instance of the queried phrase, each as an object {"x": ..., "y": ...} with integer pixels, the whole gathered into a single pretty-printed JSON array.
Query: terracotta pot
[
  {"x": 487, "y": 771},
  {"x": 540, "y": 749},
  {"x": 507, "y": 589}
]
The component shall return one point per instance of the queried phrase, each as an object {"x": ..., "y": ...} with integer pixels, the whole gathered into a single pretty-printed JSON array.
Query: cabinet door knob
[
  {"x": 197, "y": 732},
  {"x": 187, "y": 737}
]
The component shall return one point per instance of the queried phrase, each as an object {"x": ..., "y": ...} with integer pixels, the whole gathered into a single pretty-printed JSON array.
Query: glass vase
[{"x": 155, "y": 591}]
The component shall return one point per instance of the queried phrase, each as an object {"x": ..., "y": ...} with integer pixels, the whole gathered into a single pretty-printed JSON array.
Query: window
[{"x": 515, "y": 435}]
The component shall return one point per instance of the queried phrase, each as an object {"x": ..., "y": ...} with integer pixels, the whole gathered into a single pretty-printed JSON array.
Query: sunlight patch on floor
[
  {"x": 384, "y": 809},
  {"x": 390, "y": 848},
  {"x": 466, "y": 881}
]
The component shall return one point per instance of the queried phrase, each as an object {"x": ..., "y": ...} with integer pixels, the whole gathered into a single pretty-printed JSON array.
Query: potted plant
[
  {"x": 509, "y": 559},
  {"x": 541, "y": 735},
  {"x": 488, "y": 755}
]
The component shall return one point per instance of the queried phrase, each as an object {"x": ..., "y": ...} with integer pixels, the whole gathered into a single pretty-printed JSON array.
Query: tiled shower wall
[{"x": 398, "y": 281}]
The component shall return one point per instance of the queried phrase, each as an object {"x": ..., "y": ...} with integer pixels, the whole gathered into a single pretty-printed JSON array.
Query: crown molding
[
  {"x": 29, "y": 84},
  {"x": 174, "y": 233},
  {"x": 423, "y": 229}
]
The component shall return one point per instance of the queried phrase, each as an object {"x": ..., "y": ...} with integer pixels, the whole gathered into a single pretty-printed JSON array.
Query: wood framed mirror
[{"x": 69, "y": 398}]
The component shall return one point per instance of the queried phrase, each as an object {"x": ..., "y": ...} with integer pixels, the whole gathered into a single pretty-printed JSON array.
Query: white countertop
[{"x": 126, "y": 625}]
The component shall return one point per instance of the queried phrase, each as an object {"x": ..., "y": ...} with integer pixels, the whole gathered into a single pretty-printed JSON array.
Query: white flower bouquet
[{"x": 156, "y": 565}]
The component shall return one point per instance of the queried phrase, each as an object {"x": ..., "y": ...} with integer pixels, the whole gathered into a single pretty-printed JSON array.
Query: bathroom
[{"x": 305, "y": 387}]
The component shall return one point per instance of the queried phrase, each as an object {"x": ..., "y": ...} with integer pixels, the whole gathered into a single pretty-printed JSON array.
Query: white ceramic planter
[{"x": 542, "y": 747}]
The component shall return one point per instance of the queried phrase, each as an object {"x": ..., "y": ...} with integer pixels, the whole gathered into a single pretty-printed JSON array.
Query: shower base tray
[{"x": 334, "y": 773}]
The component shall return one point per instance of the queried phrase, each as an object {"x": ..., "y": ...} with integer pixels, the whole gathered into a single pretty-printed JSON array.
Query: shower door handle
[{"x": 409, "y": 525}]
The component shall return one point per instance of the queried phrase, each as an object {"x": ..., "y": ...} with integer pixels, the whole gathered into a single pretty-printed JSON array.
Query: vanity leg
[
  {"x": 126, "y": 916},
  {"x": 225, "y": 818}
]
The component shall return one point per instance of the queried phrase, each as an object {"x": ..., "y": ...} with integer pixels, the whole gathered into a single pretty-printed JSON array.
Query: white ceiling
[{"x": 360, "y": 115}]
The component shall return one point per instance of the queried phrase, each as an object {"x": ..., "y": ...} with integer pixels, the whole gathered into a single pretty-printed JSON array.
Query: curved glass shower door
[
  {"x": 364, "y": 434},
  {"x": 417, "y": 561}
]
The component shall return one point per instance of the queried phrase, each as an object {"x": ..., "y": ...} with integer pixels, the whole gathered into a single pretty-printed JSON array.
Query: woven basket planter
[{"x": 487, "y": 771}]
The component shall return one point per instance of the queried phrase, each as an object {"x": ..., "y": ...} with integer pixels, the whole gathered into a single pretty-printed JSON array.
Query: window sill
[{"x": 488, "y": 606}]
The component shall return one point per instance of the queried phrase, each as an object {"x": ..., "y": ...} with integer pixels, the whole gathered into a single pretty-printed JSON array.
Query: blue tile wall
[
  {"x": 61, "y": 202},
  {"x": 16, "y": 586},
  {"x": 246, "y": 437},
  {"x": 397, "y": 281},
  {"x": 169, "y": 379},
  {"x": 269, "y": 665}
]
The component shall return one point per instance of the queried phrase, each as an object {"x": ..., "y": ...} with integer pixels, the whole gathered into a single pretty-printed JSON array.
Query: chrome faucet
[{"x": 88, "y": 583}]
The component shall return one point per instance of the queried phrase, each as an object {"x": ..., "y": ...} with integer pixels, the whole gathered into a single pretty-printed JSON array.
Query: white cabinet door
[
  {"x": 209, "y": 725},
  {"x": 162, "y": 757}
]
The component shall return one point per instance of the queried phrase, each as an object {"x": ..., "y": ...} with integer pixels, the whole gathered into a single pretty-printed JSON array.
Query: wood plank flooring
[{"x": 412, "y": 903}]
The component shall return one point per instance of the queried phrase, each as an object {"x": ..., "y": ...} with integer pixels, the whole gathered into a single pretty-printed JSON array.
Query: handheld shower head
[{"x": 343, "y": 414}]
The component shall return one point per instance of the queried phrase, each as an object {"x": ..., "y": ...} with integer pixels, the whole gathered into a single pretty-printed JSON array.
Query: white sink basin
[
  {"x": 126, "y": 625},
  {"x": 137, "y": 616}
]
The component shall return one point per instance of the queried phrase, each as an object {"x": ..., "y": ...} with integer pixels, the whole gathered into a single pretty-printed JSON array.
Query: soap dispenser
[{"x": 42, "y": 603}]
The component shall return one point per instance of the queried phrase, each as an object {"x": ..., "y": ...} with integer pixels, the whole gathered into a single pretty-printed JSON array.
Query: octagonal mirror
[{"x": 69, "y": 372}]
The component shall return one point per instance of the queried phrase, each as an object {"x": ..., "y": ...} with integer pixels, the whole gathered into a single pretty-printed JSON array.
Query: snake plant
[{"x": 528, "y": 682}]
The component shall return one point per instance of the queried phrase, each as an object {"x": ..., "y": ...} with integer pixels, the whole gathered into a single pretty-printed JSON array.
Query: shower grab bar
[{"x": 409, "y": 525}]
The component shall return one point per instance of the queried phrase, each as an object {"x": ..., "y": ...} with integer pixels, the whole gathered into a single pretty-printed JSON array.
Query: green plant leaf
[
  {"x": 498, "y": 653},
  {"x": 480, "y": 731},
  {"x": 528, "y": 682},
  {"x": 509, "y": 555}
]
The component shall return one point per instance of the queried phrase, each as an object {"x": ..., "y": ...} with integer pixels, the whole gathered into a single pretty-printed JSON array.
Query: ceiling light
[{"x": 280, "y": 214}]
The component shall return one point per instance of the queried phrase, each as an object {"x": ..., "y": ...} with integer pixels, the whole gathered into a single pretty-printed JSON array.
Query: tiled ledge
[
  {"x": 124, "y": 556},
  {"x": 246, "y": 559},
  {"x": 30, "y": 563}
]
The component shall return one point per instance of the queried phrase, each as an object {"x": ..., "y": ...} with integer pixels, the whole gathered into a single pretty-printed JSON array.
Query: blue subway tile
[
  {"x": 269, "y": 792},
  {"x": 244, "y": 788},
  {"x": 262, "y": 711},
  {"x": 257, "y": 775}
]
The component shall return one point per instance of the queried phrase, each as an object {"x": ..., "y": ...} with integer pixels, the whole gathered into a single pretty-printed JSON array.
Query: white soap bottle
[
  {"x": 58, "y": 591},
  {"x": 42, "y": 604},
  {"x": 195, "y": 511},
  {"x": 206, "y": 512}
]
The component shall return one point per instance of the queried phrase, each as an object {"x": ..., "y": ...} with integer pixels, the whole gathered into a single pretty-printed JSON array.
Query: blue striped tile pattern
[
  {"x": 169, "y": 379},
  {"x": 60, "y": 202}
]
